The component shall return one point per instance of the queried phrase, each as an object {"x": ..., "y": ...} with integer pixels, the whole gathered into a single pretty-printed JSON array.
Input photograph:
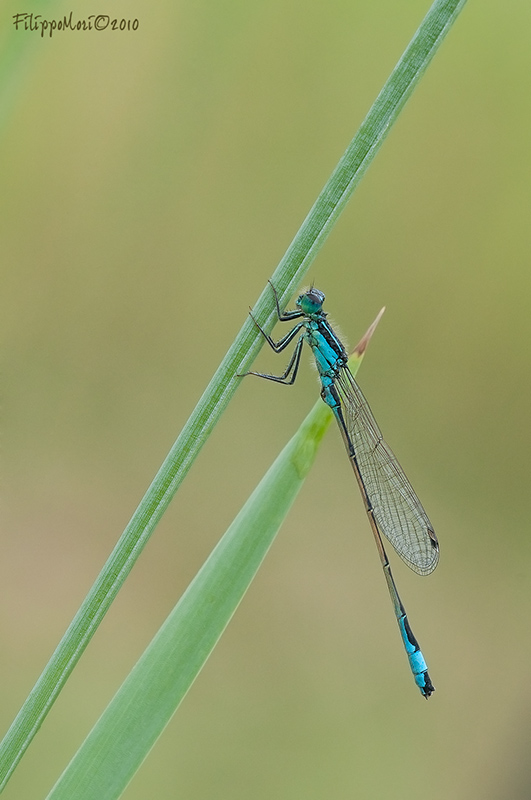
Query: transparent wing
[{"x": 397, "y": 510}]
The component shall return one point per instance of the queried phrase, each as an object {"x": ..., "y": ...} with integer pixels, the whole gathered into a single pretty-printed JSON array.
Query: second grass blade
[
  {"x": 143, "y": 706},
  {"x": 125, "y": 733}
]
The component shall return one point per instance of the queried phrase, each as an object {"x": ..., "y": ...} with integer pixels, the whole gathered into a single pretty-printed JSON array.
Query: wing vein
[{"x": 397, "y": 510}]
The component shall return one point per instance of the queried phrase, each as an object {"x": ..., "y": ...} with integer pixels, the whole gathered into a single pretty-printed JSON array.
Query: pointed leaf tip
[{"x": 363, "y": 343}]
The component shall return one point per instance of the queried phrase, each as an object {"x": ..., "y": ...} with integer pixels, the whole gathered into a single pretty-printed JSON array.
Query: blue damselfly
[{"x": 392, "y": 506}]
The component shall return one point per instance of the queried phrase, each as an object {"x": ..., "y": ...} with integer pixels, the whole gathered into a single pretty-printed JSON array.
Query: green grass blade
[
  {"x": 362, "y": 149},
  {"x": 287, "y": 276},
  {"x": 136, "y": 716}
]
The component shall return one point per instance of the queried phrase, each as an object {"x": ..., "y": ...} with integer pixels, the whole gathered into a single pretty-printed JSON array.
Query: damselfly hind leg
[
  {"x": 293, "y": 367},
  {"x": 290, "y": 373}
]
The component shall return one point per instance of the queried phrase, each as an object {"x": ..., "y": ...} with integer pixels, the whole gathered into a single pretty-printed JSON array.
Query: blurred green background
[{"x": 152, "y": 181}]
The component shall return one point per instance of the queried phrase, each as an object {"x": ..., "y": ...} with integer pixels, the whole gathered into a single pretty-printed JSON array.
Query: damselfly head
[{"x": 311, "y": 302}]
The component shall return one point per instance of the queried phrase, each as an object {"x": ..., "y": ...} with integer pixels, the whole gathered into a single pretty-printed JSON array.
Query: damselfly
[{"x": 392, "y": 506}]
